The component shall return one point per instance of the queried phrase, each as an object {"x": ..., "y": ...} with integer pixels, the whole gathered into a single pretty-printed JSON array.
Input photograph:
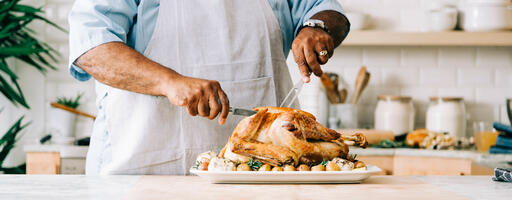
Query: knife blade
[{"x": 241, "y": 111}]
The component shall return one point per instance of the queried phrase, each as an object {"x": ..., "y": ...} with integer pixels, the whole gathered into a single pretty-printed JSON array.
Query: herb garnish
[
  {"x": 196, "y": 166},
  {"x": 324, "y": 162},
  {"x": 254, "y": 164},
  {"x": 352, "y": 157}
]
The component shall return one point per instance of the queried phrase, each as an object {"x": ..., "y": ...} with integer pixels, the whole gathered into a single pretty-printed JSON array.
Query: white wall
[{"x": 482, "y": 75}]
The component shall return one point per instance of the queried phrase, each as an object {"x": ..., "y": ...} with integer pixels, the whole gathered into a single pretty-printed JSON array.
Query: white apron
[{"x": 237, "y": 42}]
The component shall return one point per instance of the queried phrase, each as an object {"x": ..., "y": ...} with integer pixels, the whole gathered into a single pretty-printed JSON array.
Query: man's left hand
[{"x": 311, "y": 48}]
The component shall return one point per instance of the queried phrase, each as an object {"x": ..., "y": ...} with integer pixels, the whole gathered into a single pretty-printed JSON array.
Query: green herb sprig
[
  {"x": 352, "y": 157},
  {"x": 324, "y": 162},
  {"x": 254, "y": 164},
  {"x": 196, "y": 166}
]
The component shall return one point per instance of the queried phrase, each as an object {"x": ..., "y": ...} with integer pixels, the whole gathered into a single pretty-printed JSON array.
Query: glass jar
[
  {"x": 485, "y": 135},
  {"x": 447, "y": 114},
  {"x": 394, "y": 113}
]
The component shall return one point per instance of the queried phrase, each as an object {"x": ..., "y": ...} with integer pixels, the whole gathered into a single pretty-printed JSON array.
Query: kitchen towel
[
  {"x": 500, "y": 150},
  {"x": 504, "y": 140},
  {"x": 506, "y": 129},
  {"x": 501, "y": 174}
]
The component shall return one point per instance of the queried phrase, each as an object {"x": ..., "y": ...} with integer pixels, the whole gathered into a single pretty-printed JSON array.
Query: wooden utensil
[
  {"x": 335, "y": 78},
  {"x": 343, "y": 95},
  {"x": 363, "y": 77},
  {"x": 69, "y": 109},
  {"x": 331, "y": 87}
]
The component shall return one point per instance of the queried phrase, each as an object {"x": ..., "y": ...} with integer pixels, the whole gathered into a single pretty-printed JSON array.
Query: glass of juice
[{"x": 485, "y": 135}]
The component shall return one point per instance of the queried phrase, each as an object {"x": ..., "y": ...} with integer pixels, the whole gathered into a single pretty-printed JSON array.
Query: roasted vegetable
[
  {"x": 332, "y": 166},
  {"x": 277, "y": 169},
  {"x": 265, "y": 167},
  {"x": 289, "y": 168},
  {"x": 318, "y": 167},
  {"x": 303, "y": 167},
  {"x": 243, "y": 167}
]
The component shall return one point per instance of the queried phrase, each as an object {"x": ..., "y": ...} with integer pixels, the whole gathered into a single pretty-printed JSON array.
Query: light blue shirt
[{"x": 95, "y": 22}]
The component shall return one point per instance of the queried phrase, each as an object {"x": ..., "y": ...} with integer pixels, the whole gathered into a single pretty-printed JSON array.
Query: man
[{"x": 160, "y": 63}]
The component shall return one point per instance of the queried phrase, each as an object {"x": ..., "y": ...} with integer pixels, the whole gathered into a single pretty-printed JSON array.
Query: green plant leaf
[
  {"x": 8, "y": 5},
  {"x": 19, "y": 51},
  {"x": 16, "y": 40},
  {"x": 8, "y": 140},
  {"x": 13, "y": 95},
  {"x": 51, "y": 23},
  {"x": 7, "y": 30},
  {"x": 33, "y": 63},
  {"x": 21, "y": 169},
  {"x": 70, "y": 102},
  {"x": 26, "y": 9},
  {"x": 6, "y": 70}
]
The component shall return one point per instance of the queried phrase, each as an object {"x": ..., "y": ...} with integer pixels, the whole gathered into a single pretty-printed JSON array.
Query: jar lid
[
  {"x": 394, "y": 98},
  {"x": 446, "y": 99}
]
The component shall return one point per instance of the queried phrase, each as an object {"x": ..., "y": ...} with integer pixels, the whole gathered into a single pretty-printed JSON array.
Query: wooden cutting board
[{"x": 372, "y": 136}]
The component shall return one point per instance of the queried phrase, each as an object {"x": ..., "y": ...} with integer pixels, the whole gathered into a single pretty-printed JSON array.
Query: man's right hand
[{"x": 201, "y": 97}]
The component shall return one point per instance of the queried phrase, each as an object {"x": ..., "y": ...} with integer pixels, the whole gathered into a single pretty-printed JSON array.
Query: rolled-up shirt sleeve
[
  {"x": 96, "y": 22},
  {"x": 305, "y": 9}
]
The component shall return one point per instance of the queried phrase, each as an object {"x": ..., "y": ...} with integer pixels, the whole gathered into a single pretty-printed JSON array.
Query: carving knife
[{"x": 241, "y": 111}]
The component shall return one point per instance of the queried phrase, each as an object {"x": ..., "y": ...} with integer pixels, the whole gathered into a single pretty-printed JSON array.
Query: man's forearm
[
  {"x": 337, "y": 24},
  {"x": 118, "y": 65}
]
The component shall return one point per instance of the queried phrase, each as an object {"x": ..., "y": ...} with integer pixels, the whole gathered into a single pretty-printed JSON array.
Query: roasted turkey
[{"x": 285, "y": 136}]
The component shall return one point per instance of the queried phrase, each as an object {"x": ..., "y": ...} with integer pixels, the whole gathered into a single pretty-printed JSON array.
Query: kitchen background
[{"x": 481, "y": 75}]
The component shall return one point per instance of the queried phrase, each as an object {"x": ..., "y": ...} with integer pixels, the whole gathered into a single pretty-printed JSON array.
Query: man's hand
[
  {"x": 306, "y": 50},
  {"x": 201, "y": 97},
  {"x": 310, "y": 42}
]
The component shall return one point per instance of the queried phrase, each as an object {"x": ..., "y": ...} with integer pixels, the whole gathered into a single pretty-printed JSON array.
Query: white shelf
[{"x": 452, "y": 38}]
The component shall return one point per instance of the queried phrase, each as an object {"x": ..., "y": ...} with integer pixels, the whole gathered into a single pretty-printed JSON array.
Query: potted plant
[
  {"x": 17, "y": 41},
  {"x": 62, "y": 122}
]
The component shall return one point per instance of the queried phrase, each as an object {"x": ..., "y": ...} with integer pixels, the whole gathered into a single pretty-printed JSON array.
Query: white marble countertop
[{"x": 191, "y": 187}]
